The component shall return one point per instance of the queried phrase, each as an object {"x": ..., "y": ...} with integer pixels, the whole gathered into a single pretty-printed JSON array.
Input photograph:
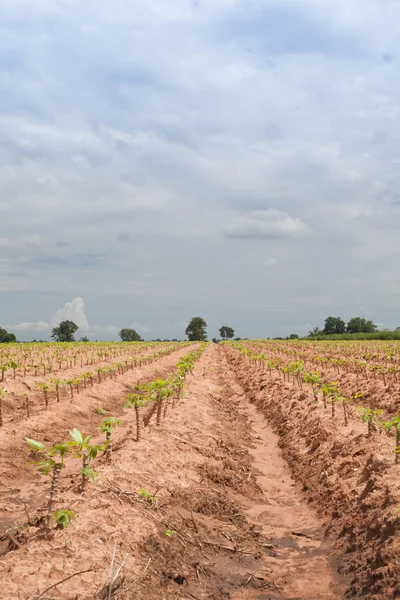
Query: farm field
[{"x": 262, "y": 470}]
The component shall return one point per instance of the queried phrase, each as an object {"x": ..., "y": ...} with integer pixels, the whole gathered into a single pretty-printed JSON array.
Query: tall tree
[
  {"x": 226, "y": 333},
  {"x": 315, "y": 331},
  {"x": 129, "y": 335},
  {"x": 360, "y": 325},
  {"x": 64, "y": 332},
  {"x": 334, "y": 325},
  {"x": 5, "y": 337},
  {"x": 197, "y": 330}
]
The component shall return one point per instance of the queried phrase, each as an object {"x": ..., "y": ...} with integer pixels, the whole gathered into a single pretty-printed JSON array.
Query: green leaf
[
  {"x": 77, "y": 436},
  {"x": 37, "y": 446}
]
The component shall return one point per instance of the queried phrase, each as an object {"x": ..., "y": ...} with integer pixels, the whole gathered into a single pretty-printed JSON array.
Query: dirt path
[
  {"x": 228, "y": 522},
  {"x": 299, "y": 560}
]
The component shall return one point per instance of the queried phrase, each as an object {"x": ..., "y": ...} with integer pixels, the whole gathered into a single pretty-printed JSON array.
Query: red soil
[{"x": 231, "y": 520}]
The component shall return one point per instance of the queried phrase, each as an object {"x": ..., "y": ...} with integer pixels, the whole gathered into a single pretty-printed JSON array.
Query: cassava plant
[
  {"x": 344, "y": 400},
  {"x": 87, "y": 452},
  {"x": 3, "y": 396},
  {"x": 45, "y": 389},
  {"x": 370, "y": 416},
  {"x": 136, "y": 401},
  {"x": 329, "y": 392},
  {"x": 107, "y": 426},
  {"x": 313, "y": 378},
  {"x": 52, "y": 463},
  {"x": 63, "y": 518},
  {"x": 394, "y": 424},
  {"x": 150, "y": 498}
]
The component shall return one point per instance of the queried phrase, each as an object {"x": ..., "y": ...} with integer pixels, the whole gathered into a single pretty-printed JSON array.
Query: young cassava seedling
[
  {"x": 150, "y": 498},
  {"x": 136, "y": 401},
  {"x": 108, "y": 426},
  {"x": 51, "y": 463},
  {"x": 370, "y": 416},
  {"x": 63, "y": 518},
  {"x": 87, "y": 451},
  {"x": 3, "y": 396},
  {"x": 329, "y": 393},
  {"x": 313, "y": 378},
  {"x": 394, "y": 424}
]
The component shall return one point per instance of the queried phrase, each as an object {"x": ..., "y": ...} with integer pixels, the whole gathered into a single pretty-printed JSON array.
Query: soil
[{"x": 250, "y": 493}]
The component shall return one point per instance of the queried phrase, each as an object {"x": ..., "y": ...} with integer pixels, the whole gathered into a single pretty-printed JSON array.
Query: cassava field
[{"x": 262, "y": 470}]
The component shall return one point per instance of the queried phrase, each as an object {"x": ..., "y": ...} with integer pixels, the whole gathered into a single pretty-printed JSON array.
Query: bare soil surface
[{"x": 223, "y": 517}]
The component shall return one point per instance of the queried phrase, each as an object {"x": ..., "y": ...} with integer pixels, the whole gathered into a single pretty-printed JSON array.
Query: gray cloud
[
  {"x": 134, "y": 160},
  {"x": 265, "y": 224}
]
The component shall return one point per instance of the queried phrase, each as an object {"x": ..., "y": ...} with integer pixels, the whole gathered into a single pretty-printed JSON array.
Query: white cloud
[
  {"x": 239, "y": 106},
  {"x": 72, "y": 311},
  {"x": 265, "y": 224},
  {"x": 33, "y": 326}
]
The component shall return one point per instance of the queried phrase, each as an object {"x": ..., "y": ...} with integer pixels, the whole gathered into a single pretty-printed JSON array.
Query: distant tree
[
  {"x": 360, "y": 325},
  {"x": 315, "y": 331},
  {"x": 293, "y": 336},
  {"x": 196, "y": 331},
  {"x": 174, "y": 340},
  {"x": 64, "y": 332},
  {"x": 334, "y": 325},
  {"x": 5, "y": 337},
  {"x": 215, "y": 341},
  {"x": 129, "y": 335},
  {"x": 226, "y": 333},
  {"x": 84, "y": 339}
]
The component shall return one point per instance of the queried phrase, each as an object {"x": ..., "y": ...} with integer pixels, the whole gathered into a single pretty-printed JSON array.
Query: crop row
[
  {"x": 162, "y": 393},
  {"x": 32, "y": 359},
  {"x": 365, "y": 364},
  {"x": 57, "y": 388},
  {"x": 331, "y": 395}
]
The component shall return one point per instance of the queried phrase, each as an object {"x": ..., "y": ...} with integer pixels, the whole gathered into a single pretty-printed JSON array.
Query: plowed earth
[{"x": 256, "y": 497}]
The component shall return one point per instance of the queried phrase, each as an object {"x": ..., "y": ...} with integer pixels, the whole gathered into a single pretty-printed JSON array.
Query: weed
[{"x": 63, "y": 518}]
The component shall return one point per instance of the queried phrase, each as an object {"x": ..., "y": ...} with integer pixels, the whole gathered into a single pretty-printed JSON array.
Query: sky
[{"x": 232, "y": 159}]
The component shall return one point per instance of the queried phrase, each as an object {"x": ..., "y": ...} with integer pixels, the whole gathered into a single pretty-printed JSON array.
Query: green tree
[
  {"x": 196, "y": 331},
  {"x": 315, "y": 331},
  {"x": 84, "y": 339},
  {"x": 64, "y": 332},
  {"x": 334, "y": 325},
  {"x": 360, "y": 325},
  {"x": 293, "y": 336},
  {"x": 226, "y": 333},
  {"x": 5, "y": 337},
  {"x": 129, "y": 335}
]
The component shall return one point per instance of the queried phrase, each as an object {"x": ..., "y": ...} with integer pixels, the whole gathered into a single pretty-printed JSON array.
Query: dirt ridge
[{"x": 351, "y": 479}]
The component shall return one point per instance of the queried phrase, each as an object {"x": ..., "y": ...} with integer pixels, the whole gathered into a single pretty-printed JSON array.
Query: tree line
[
  {"x": 196, "y": 331},
  {"x": 336, "y": 325},
  {"x": 356, "y": 328}
]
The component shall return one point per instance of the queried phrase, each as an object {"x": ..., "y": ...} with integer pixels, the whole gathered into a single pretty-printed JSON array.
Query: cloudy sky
[{"x": 234, "y": 159}]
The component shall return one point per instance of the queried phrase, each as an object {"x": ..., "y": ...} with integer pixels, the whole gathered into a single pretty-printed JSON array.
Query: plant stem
[
  {"x": 109, "y": 443},
  {"x": 138, "y": 424},
  {"x": 159, "y": 410},
  {"x": 53, "y": 494},
  {"x": 85, "y": 463}
]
